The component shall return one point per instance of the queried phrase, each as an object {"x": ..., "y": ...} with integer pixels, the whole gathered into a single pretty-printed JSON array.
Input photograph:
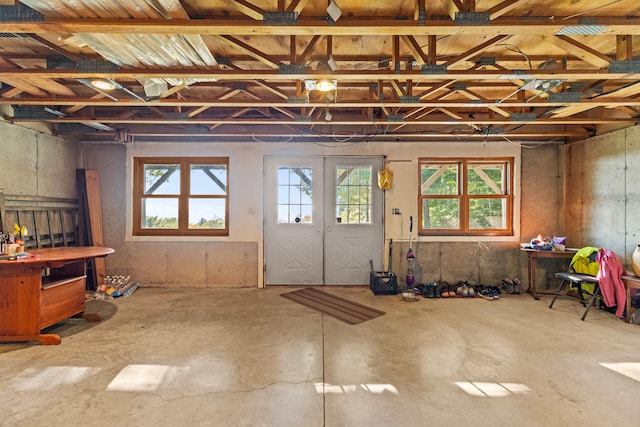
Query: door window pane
[
  {"x": 295, "y": 192},
  {"x": 353, "y": 194}
]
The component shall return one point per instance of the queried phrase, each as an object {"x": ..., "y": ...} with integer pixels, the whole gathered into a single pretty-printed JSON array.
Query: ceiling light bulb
[
  {"x": 325, "y": 85},
  {"x": 103, "y": 84}
]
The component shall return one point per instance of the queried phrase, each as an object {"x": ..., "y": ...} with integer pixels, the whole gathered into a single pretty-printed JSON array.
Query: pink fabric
[{"x": 609, "y": 278}]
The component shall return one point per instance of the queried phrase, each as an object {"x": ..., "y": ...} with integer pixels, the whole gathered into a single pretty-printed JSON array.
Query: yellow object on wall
[{"x": 385, "y": 177}]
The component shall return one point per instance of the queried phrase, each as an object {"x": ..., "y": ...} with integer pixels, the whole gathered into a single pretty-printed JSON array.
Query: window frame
[
  {"x": 464, "y": 197},
  {"x": 138, "y": 194}
]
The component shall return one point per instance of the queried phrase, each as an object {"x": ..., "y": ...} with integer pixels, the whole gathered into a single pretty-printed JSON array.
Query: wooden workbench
[{"x": 43, "y": 289}]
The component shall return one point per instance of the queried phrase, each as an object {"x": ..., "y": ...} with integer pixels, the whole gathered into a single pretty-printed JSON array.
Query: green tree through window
[{"x": 466, "y": 196}]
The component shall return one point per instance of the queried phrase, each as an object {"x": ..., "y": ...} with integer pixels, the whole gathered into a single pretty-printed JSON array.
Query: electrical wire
[
  {"x": 253, "y": 136},
  {"x": 516, "y": 49}
]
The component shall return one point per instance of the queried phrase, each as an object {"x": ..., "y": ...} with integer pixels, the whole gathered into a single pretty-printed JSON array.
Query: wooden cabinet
[{"x": 31, "y": 300}]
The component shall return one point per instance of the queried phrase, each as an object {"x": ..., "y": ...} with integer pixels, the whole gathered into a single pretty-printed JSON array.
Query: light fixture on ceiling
[
  {"x": 103, "y": 84},
  {"x": 323, "y": 85},
  {"x": 334, "y": 11},
  {"x": 326, "y": 85}
]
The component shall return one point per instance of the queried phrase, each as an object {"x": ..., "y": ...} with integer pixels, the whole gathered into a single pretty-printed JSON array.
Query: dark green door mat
[{"x": 340, "y": 308}]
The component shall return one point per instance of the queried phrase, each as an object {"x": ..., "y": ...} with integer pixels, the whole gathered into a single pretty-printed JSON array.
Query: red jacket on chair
[{"x": 609, "y": 279}]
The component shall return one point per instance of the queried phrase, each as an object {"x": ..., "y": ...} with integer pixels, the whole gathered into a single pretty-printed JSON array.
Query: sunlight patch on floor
[
  {"x": 53, "y": 376},
  {"x": 492, "y": 389},
  {"x": 628, "y": 369},
  {"x": 146, "y": 377},
  {"x": 344, "y": 389}
]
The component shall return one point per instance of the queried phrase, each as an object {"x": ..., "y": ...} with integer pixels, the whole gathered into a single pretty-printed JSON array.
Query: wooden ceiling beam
[
  {"x": 358, "y": 121},
  {"x": 575, "y": 48},
  {"x": 502, "y": 8},
  {"x": 397, "y": 87},
  {"x": 254, "y": 53},
  {"x": 296, "y": 6},
  {"x": 472, "y": 52},
  {"x": 453, "y": 6},
  {"x": 247, "y": 8},
  {"x": 416, "y": 51},
  {"x": 304, "y": 57},
  {"x": 628, "y": 90},
  {"x": 624, "y": 48},
  {"x": 23, "y": 86},
  {"x": 501, "y": 74},
  {"x": 347, "y": 26},
  {"x": 475, "y": 97},
  {"x": 468, "y": 103}
]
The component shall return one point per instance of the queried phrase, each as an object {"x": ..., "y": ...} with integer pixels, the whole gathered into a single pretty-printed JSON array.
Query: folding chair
[{"x": 582, "y": 273}]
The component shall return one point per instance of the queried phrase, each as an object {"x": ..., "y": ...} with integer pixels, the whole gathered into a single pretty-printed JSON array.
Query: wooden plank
[{"x": 91, "y": 220}]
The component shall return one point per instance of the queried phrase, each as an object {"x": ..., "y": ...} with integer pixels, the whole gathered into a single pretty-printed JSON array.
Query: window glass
[
  {"x": 466, "y": 196},
  {"x": 161, "y": 179},
  {"x": 485, "y": 178},
  {"x": 160, "y": 213},
  {"x": 208, "y": 179},
  {"x": 353, "y": 194},
  {"x": 207, "y": 213},
  {"x": 439, "y": 179},
  {"x": 295, "y": 191},
  {"x": 181, "y": 196}
]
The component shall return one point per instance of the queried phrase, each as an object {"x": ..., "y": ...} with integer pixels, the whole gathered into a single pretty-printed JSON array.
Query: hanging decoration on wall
[{"x": 385, "y": 177}]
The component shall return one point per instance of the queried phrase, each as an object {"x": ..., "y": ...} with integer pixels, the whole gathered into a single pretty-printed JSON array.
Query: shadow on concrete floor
[{"x": 70, "y": 326}]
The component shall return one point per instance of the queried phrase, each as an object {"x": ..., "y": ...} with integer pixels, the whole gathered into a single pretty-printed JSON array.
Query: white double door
[{"x": 323, "y": 220}]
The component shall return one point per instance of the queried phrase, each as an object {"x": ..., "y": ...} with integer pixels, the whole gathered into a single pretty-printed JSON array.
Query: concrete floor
[{"x": 248, "y": 357}]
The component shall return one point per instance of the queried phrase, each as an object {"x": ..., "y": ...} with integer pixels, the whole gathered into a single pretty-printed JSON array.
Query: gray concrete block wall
[
  {"x": 35, "y": 163},
  {"x": 604, "y": 208}
]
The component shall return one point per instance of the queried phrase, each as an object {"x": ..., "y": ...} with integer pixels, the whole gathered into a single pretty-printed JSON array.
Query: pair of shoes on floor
[
  {"x": 431, "y": 290},
  {"x": 447, "y": 290},
  {"x": 489, "y": 292},
  {"x": 465, "y": 290},
  {"x": 512, "y": 286}
]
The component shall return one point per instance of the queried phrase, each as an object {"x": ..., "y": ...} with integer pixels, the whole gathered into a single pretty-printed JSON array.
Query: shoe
[
  {"x": 495, "y": 292},
  {"x": 486, "y": 293},
  {"x": 508, "y": 286},
  {"x": 444, "y": 291},
  {"x": 471, "y": 292},
  {"x": 428, "y": 290},
  {"x": 436, "y": 290},
  {"x": 517, "y": 286}
]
